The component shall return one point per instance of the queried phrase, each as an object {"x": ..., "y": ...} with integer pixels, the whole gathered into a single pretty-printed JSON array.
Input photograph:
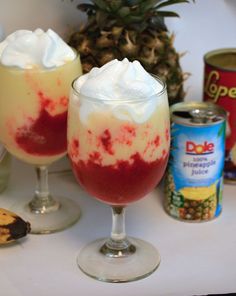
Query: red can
[{"x": 220, "y": 88}]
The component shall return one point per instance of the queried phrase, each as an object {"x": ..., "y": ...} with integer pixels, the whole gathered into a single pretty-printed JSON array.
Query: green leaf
[
  {"x": 133, "y": 19},
  {"x": 157, "y": 23},
  {"x": 148, "y": 4},
  {"x": 177, "y": 199},
  {"x": 115, "y": 5},
  {"x": 124, "y": 11},
  {"x": 167, "y": 13},
  {"x": 171, "y": 2},
  {"x": 134, "y": 2},
  {"x": 101, "y": 4}
]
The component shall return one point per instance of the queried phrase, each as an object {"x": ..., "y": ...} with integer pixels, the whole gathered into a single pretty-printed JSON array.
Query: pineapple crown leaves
[{"x": 134, "y": 14}]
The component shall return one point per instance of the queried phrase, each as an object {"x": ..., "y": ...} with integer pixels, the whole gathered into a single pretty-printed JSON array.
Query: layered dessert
[
  {"x": 36, "y": 72},
  {"x": 118, "y": 131}
]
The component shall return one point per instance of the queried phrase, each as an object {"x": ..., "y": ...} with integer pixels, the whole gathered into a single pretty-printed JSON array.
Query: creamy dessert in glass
[
  {"x": 36, "y": 71},
  {"x": 118, "y": 144}
]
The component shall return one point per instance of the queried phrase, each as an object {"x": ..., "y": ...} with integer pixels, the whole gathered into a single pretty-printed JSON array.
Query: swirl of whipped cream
[
  {"x": 26, "y": 49},
  {"x": 116, "y": 85}
]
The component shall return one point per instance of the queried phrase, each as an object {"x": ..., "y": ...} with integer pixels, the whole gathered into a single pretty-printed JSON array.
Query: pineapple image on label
[{"x": 199, "y": 202}]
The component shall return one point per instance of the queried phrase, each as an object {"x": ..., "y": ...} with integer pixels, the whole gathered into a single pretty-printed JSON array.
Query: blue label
[{"x": 197, "y": 154}]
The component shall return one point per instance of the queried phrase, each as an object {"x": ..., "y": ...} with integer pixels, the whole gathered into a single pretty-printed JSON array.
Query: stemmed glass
[
  {"x": 118, "y": 160},
  {"x": 33, "y": 125}
]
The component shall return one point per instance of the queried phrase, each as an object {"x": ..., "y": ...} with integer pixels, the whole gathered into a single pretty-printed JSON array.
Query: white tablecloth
[{"x": 197, "y": 258}]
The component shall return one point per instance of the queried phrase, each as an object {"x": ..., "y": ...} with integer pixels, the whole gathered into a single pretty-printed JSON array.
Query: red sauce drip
[
  {"x": 73, "y": 148},
  {"x": 122, "y": 183},
  {"x": 126, "y": 135},
  {"x": 164, "y": 152},
  {"x": 46, "y": 103},
  {"x": 130, "y": 129},
  {"x": 76, "y": 143},
  {"x": 157, "y": 141},
  {"x": 64, "y": 101},
  {"x": 152, "y": 145},
  {"x": 106, "y": 142},
  {"x": 167, "y": 135},
  {"x": 95, "y": 157},
  {"x": 45, "y": 136}
]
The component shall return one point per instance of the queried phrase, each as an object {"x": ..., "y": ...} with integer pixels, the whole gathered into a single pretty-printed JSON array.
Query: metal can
[
  {"x": 220, "y": 88},
  {"x": 194, "y": 177}
]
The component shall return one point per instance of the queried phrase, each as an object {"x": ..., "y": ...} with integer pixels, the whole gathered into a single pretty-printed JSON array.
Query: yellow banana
[{"x": 12, "y": 227}]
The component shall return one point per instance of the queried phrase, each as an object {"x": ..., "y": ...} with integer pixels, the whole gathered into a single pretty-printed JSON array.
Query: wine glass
[
  {"x": 118, "y": 160},
  {"x": 33, "y": 124}
]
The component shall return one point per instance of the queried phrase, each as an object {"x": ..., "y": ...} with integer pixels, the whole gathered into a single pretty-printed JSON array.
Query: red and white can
[{"x": 220, "y": 88}]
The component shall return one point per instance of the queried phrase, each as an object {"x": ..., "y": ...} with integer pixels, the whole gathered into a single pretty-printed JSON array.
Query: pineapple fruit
[{"x": 134, "y": 29}]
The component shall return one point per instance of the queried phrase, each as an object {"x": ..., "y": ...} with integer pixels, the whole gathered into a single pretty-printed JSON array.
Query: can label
[
  {"x": 220, "y": 88},
  {"x": 193, "y": 185}
]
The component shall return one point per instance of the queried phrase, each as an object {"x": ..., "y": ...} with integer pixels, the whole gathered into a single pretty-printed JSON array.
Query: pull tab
[
  {"x": 203, "y": 116},
  {"x": 182, "y": 114}
]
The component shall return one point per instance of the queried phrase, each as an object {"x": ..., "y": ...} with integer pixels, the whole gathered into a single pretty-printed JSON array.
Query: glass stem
[
  {"x": 118, "y": 224},
  {"x": 42, "y": 201},
  {"x": 118, "y": 245}
]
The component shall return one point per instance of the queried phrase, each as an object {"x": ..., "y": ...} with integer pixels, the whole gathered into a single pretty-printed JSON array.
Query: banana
[{"x": 12, "y": 227}]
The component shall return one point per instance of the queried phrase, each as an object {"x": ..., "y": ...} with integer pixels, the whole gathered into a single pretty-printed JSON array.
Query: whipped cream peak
[
  {"x": 28, "y": 49},
  {"x": 118, "y": 80},
  {"x": 117, "y": 86}
]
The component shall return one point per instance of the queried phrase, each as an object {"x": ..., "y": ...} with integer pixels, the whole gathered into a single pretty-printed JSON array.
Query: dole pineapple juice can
[
  {"x": 220, "y": 88},
  {"x": 194, "y": 178}
]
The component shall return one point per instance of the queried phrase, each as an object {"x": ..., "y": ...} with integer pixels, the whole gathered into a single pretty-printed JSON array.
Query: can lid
[
  {"x": 222, "y": 59},
  {"x": 194, "y": 113}
]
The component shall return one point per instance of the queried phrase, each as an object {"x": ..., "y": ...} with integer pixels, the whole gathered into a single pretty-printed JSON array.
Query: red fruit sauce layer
[
  {"x": 47, "y": 134},
  {"x": 122, "y": 183}
]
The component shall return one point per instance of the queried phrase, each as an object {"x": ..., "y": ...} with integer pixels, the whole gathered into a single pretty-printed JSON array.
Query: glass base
[
  {"x": 66, "y": 214},
  {"x": 138, "y": 265}
]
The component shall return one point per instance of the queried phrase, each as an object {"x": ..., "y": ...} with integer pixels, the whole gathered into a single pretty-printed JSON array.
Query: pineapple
[{"x": 134, "y": 29}]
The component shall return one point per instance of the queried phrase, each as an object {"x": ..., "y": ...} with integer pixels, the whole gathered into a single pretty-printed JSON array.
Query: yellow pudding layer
[
  {"x": 104, "y": 138},
  {"x": 26, "y": 93}
]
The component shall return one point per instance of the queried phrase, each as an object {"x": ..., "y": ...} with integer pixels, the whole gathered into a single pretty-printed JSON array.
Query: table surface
[{"x": 196, "y": 258}]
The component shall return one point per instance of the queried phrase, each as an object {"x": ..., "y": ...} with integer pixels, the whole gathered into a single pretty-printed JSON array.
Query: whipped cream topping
[
  {"x": 116, "y": 85},
  {"x": 118, "y": 80},
  {"x": 26, "y": 49}
]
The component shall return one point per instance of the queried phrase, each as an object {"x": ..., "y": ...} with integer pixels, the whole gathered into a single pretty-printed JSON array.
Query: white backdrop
[
  {"x": 203, "y": 26},
  {"x": 197, "y": 258}
]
